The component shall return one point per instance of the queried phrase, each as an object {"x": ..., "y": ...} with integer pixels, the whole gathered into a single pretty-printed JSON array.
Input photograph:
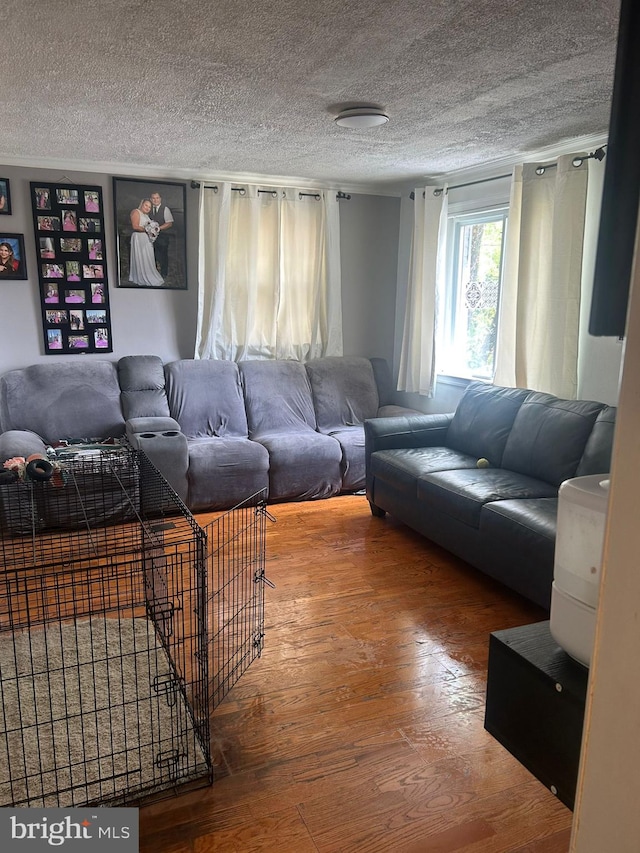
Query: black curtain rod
[
  {"x": 577, "y": 161},
  {"x": 195, "y": 185},
  {"x": 439, "y": 190},
  {"x": 471, "y": 183}
]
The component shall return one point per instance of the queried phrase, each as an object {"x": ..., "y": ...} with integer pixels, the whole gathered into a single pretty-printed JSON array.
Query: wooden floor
[{"x": 361, "y": 726}]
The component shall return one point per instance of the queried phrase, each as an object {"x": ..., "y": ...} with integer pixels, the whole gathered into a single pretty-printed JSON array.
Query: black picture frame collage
[{"x": 68, "y": 222}]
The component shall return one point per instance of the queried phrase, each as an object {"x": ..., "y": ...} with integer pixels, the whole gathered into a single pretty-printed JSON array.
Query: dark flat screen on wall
[{"x": 621, "y": 191}]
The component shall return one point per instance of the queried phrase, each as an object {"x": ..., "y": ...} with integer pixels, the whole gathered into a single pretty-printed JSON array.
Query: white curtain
[
  {"x": 418, "y": 357},
  {"x": 269, "y": 274},
  {"x": 537, "y": 344}
]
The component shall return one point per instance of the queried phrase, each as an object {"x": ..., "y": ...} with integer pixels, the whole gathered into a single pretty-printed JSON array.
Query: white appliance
[{"x": 582, "y": 510}]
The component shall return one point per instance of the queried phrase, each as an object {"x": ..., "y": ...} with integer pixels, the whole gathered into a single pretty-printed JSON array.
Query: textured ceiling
[{"x": 236, "y": 87}]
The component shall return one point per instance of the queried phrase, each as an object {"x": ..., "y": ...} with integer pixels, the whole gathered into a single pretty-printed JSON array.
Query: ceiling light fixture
[{"x": 361, "y": 117}]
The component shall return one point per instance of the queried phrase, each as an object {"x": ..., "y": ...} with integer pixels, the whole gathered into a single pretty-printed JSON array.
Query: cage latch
[
  {"x": 261, "y": 509},
  {"x": 260, "y": 577},
  {"x": 169, "y": 759},
  {"x": 168, "y": 684}
]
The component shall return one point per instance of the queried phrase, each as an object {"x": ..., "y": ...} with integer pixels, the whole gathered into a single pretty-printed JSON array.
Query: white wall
[
  {"x": 607, "y": 813},
  {"x": 163, "y": 323}
]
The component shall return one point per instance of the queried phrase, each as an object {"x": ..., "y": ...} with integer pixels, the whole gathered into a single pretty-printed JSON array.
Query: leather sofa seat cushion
[
  {"x": 463, "y": 494},
  {"x": 522, "y": 526},
  {"x": 483, "y": 420},
  {"x": 205, "y": 397},
  {"x": 549, "y": 436},
  {"x": 225, "y": 471},
  {"x": 402, "y": 467}
]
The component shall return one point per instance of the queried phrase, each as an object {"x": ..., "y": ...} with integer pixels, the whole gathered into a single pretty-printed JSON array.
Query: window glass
[{"x": 471, "y": 303}]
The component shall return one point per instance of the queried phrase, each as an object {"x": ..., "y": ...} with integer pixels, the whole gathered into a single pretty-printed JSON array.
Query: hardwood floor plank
[
  {"x": 360, "y": 729},
  {"x": 282, "y": 830}
]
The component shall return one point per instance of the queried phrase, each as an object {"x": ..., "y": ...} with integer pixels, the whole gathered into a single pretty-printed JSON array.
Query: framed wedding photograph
[
  {"x": 13, "y": 263},
  {"x": 150, "y": 229},
  {"x": 5, "y": 196}
]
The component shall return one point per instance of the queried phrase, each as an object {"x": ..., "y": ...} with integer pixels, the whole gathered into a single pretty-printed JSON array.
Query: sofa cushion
[
  {"x": 63, "y": 400},
  {"x": 401, "y": 467},
  {"x": 142, "y": 380},
  {"x": 549, "y": 436},
  {"x": 225, "y": 471},
  {"x": 303, "y": 465},
  {"x": 344, "y": 391},
  {"x": 384, "y": 381},
  {"x": 462, "y": 494},
  {"x": 351, "y": 441},
  {"x": 518, "y": 544},
  {"x": 277, "y": 397},
  {"x": 205, "y": 397},
  {"x": 522, "y": 524},
  {"x": 483, "y": 419},
  {"x": 596, "y": 458}
]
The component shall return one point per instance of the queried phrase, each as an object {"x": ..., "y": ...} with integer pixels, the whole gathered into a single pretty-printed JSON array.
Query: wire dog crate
[{"x": 106, "y": 627}]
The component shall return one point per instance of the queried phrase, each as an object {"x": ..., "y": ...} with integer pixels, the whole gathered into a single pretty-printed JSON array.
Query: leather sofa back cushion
[
  {"x": 596, "y": 458},
  {"x": 483, "y": 420},
  {"x": 549, "y": 436},
  {"x": 62, "y": 401},
  {"x": 277, "y": 397},
  {"x": 344, "y": 391},
  {"x": 142, "y": 384},
  {"x": 205, "y": 397}
]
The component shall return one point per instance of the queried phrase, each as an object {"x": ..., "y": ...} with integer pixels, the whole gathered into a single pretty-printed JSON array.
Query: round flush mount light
[{"x": 361, "y": 117}]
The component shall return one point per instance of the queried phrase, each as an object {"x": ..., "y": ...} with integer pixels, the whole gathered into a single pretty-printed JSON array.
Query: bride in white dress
[{"x": 142, "y": 262}]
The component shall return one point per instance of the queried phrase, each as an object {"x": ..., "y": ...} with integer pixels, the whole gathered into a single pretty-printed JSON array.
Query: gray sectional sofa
[
  {"x": 217, "y": 430},
  {"x": 483, "y": 481}
]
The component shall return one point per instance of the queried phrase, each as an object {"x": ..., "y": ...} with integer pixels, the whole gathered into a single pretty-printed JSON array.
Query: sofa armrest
[
  {"x": 136, "y": 426},
  {"x": 163, "y": 442},
  {"x": 20, "y": 442},
  {"x": 406, "y": 431},
  {"x": 400, "y": 432}
]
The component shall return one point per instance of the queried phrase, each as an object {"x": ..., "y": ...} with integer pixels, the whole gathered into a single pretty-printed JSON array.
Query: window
[{"x": 470, "y": 307}]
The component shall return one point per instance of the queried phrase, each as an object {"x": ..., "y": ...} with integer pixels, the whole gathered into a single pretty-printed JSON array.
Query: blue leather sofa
[{"x": 483, "y": 482}]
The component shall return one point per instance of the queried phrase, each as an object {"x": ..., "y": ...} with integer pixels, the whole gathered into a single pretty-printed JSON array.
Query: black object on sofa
[{"x": 483, "y": 481}]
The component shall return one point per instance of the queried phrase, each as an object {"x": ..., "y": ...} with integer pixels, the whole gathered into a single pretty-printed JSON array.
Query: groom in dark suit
[{"x": 161, "y": 214}]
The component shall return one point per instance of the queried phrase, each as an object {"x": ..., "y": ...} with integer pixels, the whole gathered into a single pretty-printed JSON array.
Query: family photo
[
  {"x": 150, "y": 233},
  {"x": 12, "y": 263},
  {"x": 5, "y": 197}
]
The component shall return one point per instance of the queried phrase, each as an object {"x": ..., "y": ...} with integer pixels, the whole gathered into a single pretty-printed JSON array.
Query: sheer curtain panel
[
  {"x": 418, "y": 358},
  {"x": 540, "y": 304},
  {"x": 269, "y": 274}
]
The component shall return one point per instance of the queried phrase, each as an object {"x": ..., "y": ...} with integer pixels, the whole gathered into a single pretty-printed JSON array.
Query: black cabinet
[{"x": 535, "y": 704}]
